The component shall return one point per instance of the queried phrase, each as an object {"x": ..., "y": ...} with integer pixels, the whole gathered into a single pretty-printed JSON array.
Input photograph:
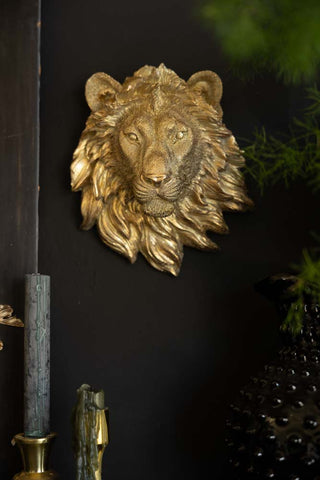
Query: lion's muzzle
[
  {"x": 157, "y": 207},
  {"x": 157, "y": 195}
]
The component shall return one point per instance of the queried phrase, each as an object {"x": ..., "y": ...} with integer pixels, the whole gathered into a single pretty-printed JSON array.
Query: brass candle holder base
[{"x": 35, "y": 457}]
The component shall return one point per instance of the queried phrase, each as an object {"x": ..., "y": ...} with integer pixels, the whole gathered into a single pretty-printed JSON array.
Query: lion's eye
[
  {"x": 180, "y": 135},
  {"x": 132, "y": 136}
]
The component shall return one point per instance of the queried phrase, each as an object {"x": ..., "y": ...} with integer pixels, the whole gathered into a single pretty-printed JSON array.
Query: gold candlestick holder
[
  {"x": 90, "y": 432},
  {"x": 102, "y": 440},
  {"x": 35, "y": 454}
]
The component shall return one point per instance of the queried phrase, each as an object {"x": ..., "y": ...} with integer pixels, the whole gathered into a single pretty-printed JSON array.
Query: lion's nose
[{"x": 154, "y": 179}]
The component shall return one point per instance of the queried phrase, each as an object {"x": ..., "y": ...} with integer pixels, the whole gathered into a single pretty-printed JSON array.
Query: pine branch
[{"x": 287, "y": 158}]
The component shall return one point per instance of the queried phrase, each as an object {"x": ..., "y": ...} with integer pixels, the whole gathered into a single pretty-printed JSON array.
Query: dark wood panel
[{"x": 19, "y": 146}]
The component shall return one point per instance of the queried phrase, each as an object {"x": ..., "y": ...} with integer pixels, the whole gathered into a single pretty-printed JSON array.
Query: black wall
[{"x": 170, "y": 353}]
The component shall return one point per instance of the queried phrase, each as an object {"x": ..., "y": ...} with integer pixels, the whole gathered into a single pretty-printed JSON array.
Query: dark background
[{"x": 170, "y": 353}]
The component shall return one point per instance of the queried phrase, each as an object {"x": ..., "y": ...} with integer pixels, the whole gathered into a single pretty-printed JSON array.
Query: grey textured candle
[{"x": 37, "y": 356}]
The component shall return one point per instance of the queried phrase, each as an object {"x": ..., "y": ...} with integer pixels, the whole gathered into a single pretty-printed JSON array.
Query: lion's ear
[
  {"x": 100, "y": 88},
  {"x": 207, "y": 84}
]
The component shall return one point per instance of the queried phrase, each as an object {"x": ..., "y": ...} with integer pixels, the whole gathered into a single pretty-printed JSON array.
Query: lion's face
[
  {"x": 160, "y": 152},
  {"x": 156, "y": 165}
]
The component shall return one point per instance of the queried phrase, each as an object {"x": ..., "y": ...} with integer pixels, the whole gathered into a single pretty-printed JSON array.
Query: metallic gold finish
[
  {"x": 156, "y": 165},
  {"x": 35, "y": 456},
  {"x": 90, "y": 433},
  {"x": 6, "y": 318},
  {"x": 102, "y": 440}
]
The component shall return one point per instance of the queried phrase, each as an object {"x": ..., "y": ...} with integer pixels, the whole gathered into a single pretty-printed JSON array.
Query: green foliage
[
  {"x": 272, "y": 160},
  {"x": 308, "y": 284},
  {"x": 282, "y": 36},
  {"x": 286, "y": 158},
  {"x": 279, "y": 35}
]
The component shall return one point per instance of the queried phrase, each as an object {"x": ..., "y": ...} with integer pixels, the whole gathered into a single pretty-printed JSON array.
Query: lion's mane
[{"x": 107, "y": 198}]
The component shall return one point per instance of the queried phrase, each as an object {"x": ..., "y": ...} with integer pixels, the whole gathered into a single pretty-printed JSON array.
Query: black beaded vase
[{"x": 274, "y": 425}]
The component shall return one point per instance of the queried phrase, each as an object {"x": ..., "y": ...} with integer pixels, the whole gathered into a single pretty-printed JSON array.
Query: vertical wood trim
[
  {"x": 19, "y": 173},
  {"x": 19, "y": 142}
]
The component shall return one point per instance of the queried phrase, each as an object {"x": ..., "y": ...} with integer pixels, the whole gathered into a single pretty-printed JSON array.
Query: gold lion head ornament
[{"x": 156, "y": 165}]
